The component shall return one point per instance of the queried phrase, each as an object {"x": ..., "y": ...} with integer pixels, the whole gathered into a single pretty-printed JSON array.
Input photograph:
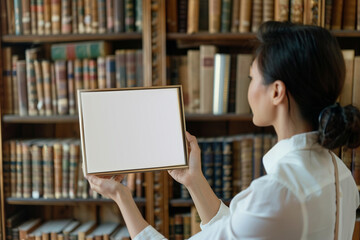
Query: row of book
[
  {"x": 212, "y": 82},
  {"x": 224, "y": 16},
  {"x": 229, "y": 164},
  {"x": 50, "y": 169},
  {"x": 185, "y": 225},
  {"x": 20, "y": 228},
  {"x": 42, "y": 87},
  {"x": 45, "y": 17}
]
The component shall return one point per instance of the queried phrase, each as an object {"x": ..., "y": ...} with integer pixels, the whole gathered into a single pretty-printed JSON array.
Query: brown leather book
[
  {"x": 214, "y": 16},
  {"x": 193, "y": 16},
  {"x": 55, "y": 16},
  {"x": 337, "y": 13},
  {"x": 349, "y": 15},
  {"x": 245, "y": 16},
  {"x": 281, "y": 10},
  {"x": 257, "y": 11}
]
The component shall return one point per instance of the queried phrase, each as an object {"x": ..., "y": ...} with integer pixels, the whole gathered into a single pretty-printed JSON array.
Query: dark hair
[{"x": 309, "y": 61}]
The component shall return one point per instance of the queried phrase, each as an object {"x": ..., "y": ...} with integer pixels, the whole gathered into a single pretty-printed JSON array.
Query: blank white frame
[{"x": 132, "y": 129}]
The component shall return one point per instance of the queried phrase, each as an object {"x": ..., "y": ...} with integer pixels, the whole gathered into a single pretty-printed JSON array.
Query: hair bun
[{"x": 339, "y": 126}]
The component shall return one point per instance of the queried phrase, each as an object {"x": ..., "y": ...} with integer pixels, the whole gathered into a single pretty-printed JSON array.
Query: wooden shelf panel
[
  {"x": 65, "y": 201},
  {"x": 75, "y": 118},
  {"x": 70, "y": 37},
  {"x": 40, "y": 119},
  {"x": 189, "y": 202}
]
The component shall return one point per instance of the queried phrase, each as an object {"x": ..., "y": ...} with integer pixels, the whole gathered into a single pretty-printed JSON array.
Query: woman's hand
[
  {"x": 186, "y": 176},
  {"x": 108, "y": 186}
]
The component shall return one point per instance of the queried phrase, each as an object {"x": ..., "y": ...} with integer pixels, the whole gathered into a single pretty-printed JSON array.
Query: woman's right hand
[{"x": 188, "y": 175}]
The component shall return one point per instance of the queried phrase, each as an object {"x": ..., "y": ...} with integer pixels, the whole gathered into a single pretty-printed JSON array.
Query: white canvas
[{"x": 131, "y": 130}]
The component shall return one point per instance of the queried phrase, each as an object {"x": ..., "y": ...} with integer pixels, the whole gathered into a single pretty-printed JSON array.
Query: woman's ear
[{"x": 278, "y": 94}]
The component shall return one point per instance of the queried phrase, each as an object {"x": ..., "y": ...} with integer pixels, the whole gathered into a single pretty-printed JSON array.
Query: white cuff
[
  {"x": 149, "y": 233},
  {"x": 223, "y": 211}
]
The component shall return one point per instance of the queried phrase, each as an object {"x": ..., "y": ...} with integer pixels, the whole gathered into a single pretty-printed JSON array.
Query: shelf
[
  {"x": 189, "y": 202},
  {"x": 65, "y": 201},
  {"x": 70, "y": 37},
  {"x": 40, "y": 119},
  {"x": 75, "y": 118}
]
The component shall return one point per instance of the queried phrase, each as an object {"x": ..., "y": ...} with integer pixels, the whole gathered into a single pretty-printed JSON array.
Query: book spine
[
  {"x": 88, "y": 16},
  {"x": 182, "y": 15},
  {"x": 207, "y": 55},
  {"x": 78, "y": 74},
  {"x": 33, "y": 14},
  {"x": 93, "y": 74},
  {"x": 7, "y": 169},
  {"x": 74, "y": 16},
  {"x": 40, "y": 17},
  {"x": 245, "y": 16},
  {"x": 7, "y": 80},
  {"x": 236, "y": 167},
  {"x": 55, "y": 16},
  {"x": 81, "y": 16},
  {"x": 246, "y": 162},
  {"x": 25, "y": 7},
  {"x": 281, "y": 10},
  {"x": 66, "y": 23},
  {"x": 139, "y": 68},
  {"x": 45, "y": 64},
  {"x": 14, "y": 83},
  {"x": 208, "y": 162},
  {"x": 187, "y": 225},
  {"x": 356, "y": 165},
  {"x": 61, "y": 87},
  {"x": 296, "y": 14},
  {"x": 227, "y": 170},
  {"x": 65, "y": 169},
  {"x": 71, "y": 51},
  {"x": 10, "y": 16},
  {"x": 86, "y": 73},
  {"x": 110, "y": 15},
  {"x": 328, "y": 10},
  {"x": 235, "y": 16},
  {"x": 336, "y": 15},
  {"x": 347, "y": 90},
  {"x": 120, "y": 62},
  {"x": 257, "y": 10},
  {"x": 39, "y": 88},
  {"x": 110, "y": 71},
  {"x": 268, "y": 10},
  {"x": 349, "y": 14},
  {"x": 214, "y": 16},
  {"x": 71, "y": 87},
  {"x": 218, "y": 166},
  {"x": 130, "y": 68},
  {"x": 225, "y": 16},
  {"x": 194, "y": 79},
  {"x": 22, "y": 86},
  {"x": 102, "y": 15},
  {"x": 13, "y": 168},
  {"x": 138, "y": 15},
  {"x": 193, "y": 16},
  {"x": 101, "y": 71},
  {"x": 19, "y": 170},
  {"x": 257, "y": 156},
  {"x": 47, "y": 17},
  {"x": 31, "y": 55},
  {"x": 129, "y": 16},
  {"x": 232, "y": 84},
  {"x": 171, "y": 16},
  {"x": 18, "y": 17},
  {"x": 27, "y": 182},
  {"x": 73, "y": 169},
  {"x": 94, "y": 16},
  {"x": 37, "y": 172},
  {"x": 179, "y": 227},
  {"x": 139, "y": 185},
  {"x": 48, "y": 156},
  {"x": 242, "y": 83},
  {"x": 54, "y": 97},
  {"x": 58, "y": 170},
  {"x": 119, "y": 16}
]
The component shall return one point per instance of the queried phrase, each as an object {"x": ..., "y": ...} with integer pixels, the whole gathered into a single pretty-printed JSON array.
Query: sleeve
[
  {"x": 223, "y": 211},
  {"x": 149, "y": 233},
  {"x": 266, "y": 210}
]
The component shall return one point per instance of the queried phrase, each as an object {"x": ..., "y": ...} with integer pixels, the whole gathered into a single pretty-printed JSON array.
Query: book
[
  {"x": 296, "y": 11},
  {"x": 349, "y": 14},
  {"x": 93, "y": 74},
  {"x": 79, "y": 50},
  {"x": 18, "y": 17},
  {"x": 45, "y": 65},
  {"x": 356, "y": 83},
  {"x": 7, "y": 168},
  {"x": 37, "y": 171},
  {"x": 129, "y": 16},
  {"x": 346, "y": 93},
  {"x": 74, "y": 16},
  {"x": 204, "y": 15},
  {"x": 55, "y": 16},
  {"x": 130, "y": 63},
  {"x": 33, "y": 15},
  {"x": 27, "y": 227},
  {"x": 193, "y": 16},
  {"x": 110, "y": 16},
  {"x": 182, "y": 15},
  {"x": 19, "y": 170},
  {"x": 121, "y": 234},
  {"x": 281, "y": 12},
  {"x": 119, "y": 16},
  {"x": 94, "y": 16},
  {"x": 218, "y": 166},
  {"x": 10, "y": 16},
  {"x": 7, "y": 80},
  {"x": 61, "y": 87},
  {"x": 111, "y": 71},
  {"x": 102, "y": 16},
  {"x": 257, "y": 15},
  {"x": 26, "y": 168},
  {"x": 71, "y": 87},
  {"x": 207, "y": 55},
  {"x": 139, "y": 68},
  {"x": 39, "y": 88},
  {"x": 336, "y": 16},
  {"x": 225, "y": 16},
  {"x": 193, "y": 76},
  {"x": 235, "y": 15},
  {"x": 65, "y": 167},
  {"x": 120, "y": 61},
  {"x": 13, "y": 170},
  {"x": 356, "y": 165},
  {"x": 48, "y": 170},
  {"x": 14, "y": 82},
  {"x": 138, "y": 16},
  {"x": 227, "y": 169},
  {"x": 242, "y": 83},
  {"x": 171, "y": 16},
  {"x": 25, "y": 8},
  {"x": 178, "y": 227},
  {"x": 47, "y": 17},
  {"x": 245, "y": 16},
  {"x": 187, "y": 225},
  {"x": 246, "y": 162},
  {"x": 195, "y": 221},
  {"x": 101, "y": 72},
  {"x": 268, "y": 10},
  {"x": 66, "y": 17},
  {"x": 221, "y": 83},
  {"x": 214, "y": 16},
  {"x": 31, "y": 56}
]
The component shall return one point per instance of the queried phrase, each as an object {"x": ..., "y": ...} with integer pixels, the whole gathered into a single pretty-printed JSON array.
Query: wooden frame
[{"x": 122, "y": 126}]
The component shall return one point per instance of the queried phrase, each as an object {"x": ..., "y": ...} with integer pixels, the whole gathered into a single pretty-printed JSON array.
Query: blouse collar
[{"x": 279, "y": 150}]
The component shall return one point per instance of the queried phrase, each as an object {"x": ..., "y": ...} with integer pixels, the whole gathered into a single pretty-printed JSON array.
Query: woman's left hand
[{"x": 108, "y": 186}]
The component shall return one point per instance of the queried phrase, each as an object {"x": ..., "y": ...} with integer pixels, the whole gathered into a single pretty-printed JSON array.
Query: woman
[{"x": 296, "y": 77}]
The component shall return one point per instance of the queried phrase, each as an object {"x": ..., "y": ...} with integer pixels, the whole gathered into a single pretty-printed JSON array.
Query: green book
[{"x": 72, "y": 51}]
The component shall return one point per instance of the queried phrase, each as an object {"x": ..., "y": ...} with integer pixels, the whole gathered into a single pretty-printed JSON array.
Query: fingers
[{"x": 193, "y": 142}]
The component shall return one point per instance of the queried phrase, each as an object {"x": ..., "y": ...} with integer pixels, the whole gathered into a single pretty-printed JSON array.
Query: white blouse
[{"x": 295, "y": 200}]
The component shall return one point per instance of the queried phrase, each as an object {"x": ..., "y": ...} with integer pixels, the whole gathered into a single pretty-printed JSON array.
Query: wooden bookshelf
[
  {"x": 30, "y": 201},
  {"x": 71, "y": 38}
]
